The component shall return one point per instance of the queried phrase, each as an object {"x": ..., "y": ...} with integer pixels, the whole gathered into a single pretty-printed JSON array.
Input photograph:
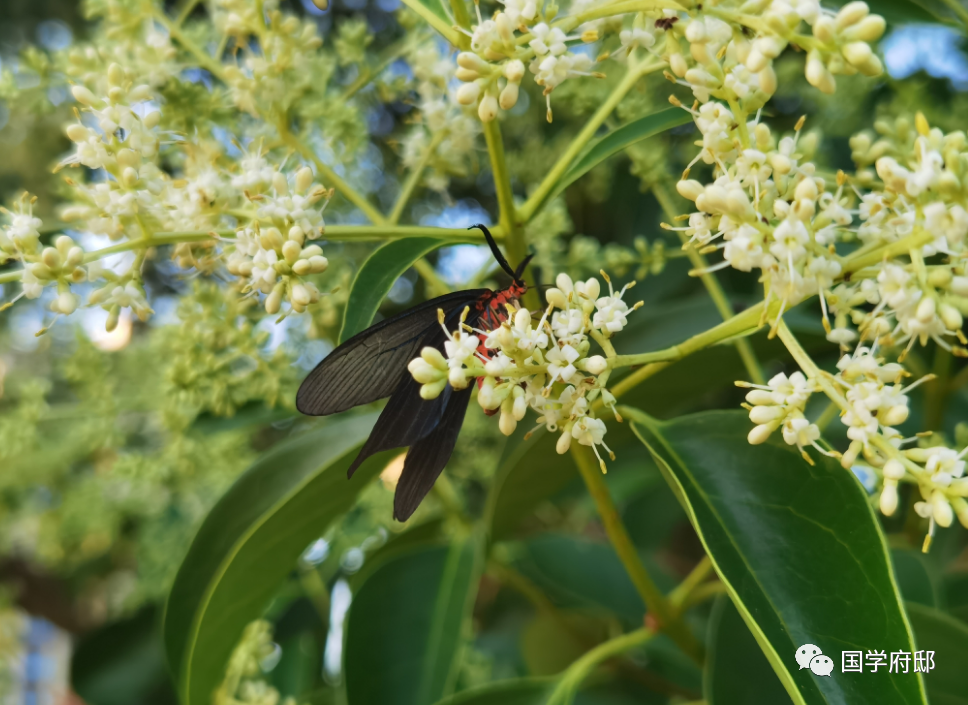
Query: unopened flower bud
[
  {"x": 941, "y": 509},
  {"x": 487, "y": 110},
  {"x": 65, "y": 303},
  {"x": 304, "y": 179},
  {"x": 468, "y": 93},
  {"x": 76, "y": 132},
  {"x": 470, "y": 60},
  {"x": 300, "y": 295},
  {"x": 563, "y": 444},
  {"x": 84, "y": 96},
  {"x": 274, "y": 301},
  {"x": 760, "y": 433},
  {"x": 509, "y": 96},
  {"x": 321, "y": 4},
  {"x": 280, "y": 184},
  {"x": 433, "y": 389},
  {"x": 888, "y": 499},
  {"x": 759, "y": 397},
  {"x": 926, "y": 309},
  {"x": 596, "y": 364},
  {"x": 689, "y": 189},
  {"x": 766, "y": 414},
  {"x": 466, "y": 75},
  {"x": 291, "y": 251},
  {"x": 818, "y": 75},
  {"x": 950, "y": 316},
  {"x": 115, "y": 75},
  {"x": 896, "y": 415},
  {"x": 152, "y": 119},
  {"x": 767, "y": 78},
  {"x": 851, "y": 13},
  {"x": 51, "y": 257},
  {"x": 893, "y": 469},
  {"x": 961, "y": 509},
  {"x": 959, "y": 285},
  {"x": 129, "y": 177},
  {"x": 869, "y": 29}
]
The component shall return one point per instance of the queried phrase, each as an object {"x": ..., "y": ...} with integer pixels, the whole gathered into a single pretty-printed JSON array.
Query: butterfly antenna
[
  {"x": 498, "y": 255},
  {"x": 520, "y": 270}
]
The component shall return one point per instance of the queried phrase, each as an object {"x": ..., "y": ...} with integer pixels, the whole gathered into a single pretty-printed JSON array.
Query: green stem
[
  {"x": 712, "y": 285},
  {"x": 446, "y": 31},
  {"x": 411, "y": 184},
  {"x": 740, "y": 115},
  {"x": 571, "y": 680},
  {"x": 655, "y": 602},
  {"x": 537, "y": 199},
  {"x": 385, "y": 58},
  {"x": 351, "y": 194},
  {"x": 185, "y": 11},
  {"x": 502, "y": 186},
  {"x": 680, "y": 595},
  {"x": 741, "y": 323},
  {"x": 342, "y": 233},
  {"x": 437, "y": 286},
  {"x": 213, "y": 66}
]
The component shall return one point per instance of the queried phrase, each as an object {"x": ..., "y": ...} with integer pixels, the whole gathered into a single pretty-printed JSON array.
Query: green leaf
[
  {"x": 736, "y": 669},
  {"x": 616, "y": 141},
  {"x": 250, "y": 542},
  {"x": 377, "y": 275},
  {"x": 530, "y": 472},
  {"x": 581, "y": 573},
  {"x": 913, "y": 578},
  {"x": 519, "y": 691},
  {"x": 797, "y": 546},
  {"x": 948, "y": 637},
  {"x": 904, "y": 12},
  {"x": 121, "y": 663},
  {"x": 406, "y": 625}
]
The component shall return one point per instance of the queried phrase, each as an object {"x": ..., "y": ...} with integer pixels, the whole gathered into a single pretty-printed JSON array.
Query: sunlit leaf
[
  {"x": 377, "y": 275},
  {"x": 798, "y": 547}
]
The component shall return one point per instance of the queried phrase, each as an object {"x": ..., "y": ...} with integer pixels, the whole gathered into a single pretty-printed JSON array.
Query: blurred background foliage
[{"x": 114, "y": 447}]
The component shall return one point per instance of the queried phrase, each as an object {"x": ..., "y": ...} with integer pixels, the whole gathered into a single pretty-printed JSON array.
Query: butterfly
[{"x": 372, "y": 365}]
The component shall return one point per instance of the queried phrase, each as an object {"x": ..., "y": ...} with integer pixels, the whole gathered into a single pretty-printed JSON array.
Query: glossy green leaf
[
  {"x": 377, "y": 275},
  {"x": 736, "y": 670},
  {"x": 948, "y": 637},
  {"x": 798, "y": 547},
  {"x": 406, "y": 625},
  {"x": 616, "y": 141},
  {"x": 251, "y": 540}
]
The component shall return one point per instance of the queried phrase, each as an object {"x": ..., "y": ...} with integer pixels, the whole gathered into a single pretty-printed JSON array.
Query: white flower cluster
[
  {"x": 730, "y": 46},
  {"x": 544, "y": 365},
  {"x": 493, "y": 69},
  {"x": 119, "y": 135},
  {"x": 445, "y": 142}
]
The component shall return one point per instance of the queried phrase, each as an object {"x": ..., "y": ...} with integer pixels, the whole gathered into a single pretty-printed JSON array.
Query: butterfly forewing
[{"x": 371, "y": 364}]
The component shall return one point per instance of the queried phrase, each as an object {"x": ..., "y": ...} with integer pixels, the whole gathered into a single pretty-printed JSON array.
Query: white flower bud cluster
[
  {"x": 730, "y": 46},
  {"x": 545, "y": 365},
  {"x": 274, "y": 263},
  {"x": 493, "y": 69},
  {"x": 60, "y": 265},
  {"x": 874, "y": 402},
  {"x": 781, "y": 403},
  {"x": 448, "y": 130}
]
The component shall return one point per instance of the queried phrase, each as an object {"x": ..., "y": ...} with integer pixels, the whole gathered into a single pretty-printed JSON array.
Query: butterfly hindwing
[
  {"x": 428, "y": 456},
  {"x": 371, "y": 364}
]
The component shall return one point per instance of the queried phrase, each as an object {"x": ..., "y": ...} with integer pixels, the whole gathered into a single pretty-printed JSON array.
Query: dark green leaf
[
  {"x": 798, "y": 547},
  {"x": 520, "y": 691},
  {"x": 616, "y": 141},
  {"x": 947, "y": 637},
  {"x": 913, "y": 578},
  {"x": 377, "y": 275},
  {"x": 736, "y": 669},
  {"x": 405, "y": 626},
  {"x": 583, "y": 574},
  {"x": 121, "y": 663},
  {"x": 904, "y": 12},
  {"x": 251, "y": 540}
]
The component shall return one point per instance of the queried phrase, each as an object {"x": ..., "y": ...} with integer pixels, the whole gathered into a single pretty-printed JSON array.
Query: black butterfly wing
[
  {"x": 408, "y": 417},
  {"x": 371, "y": 364},
  {"x": 428, "y": 456}
]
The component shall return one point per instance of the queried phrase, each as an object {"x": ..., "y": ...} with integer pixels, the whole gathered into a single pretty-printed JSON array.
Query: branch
[
  {"x": 449, "y": 33},
  {"x": 655, "y": 602}
]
